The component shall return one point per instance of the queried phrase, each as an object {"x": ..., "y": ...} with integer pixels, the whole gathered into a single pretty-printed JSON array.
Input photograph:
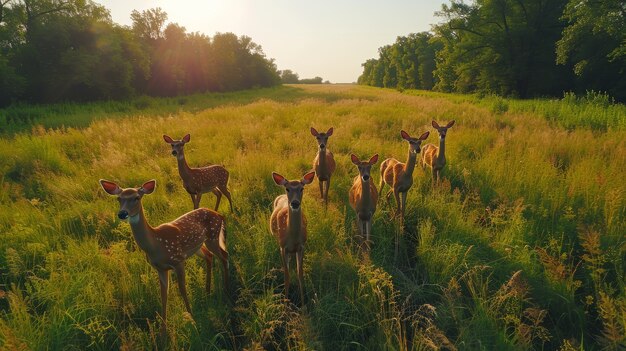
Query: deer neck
[
  {"x": 142, "y": 231},
  {"x": 321, "y": 157},
  {"x": 294, "y": 225},
  {"x": 410, "y": 164},
  {"x": 441, "y": 156},
  {"x": 183, "y": 168},
  {"x": 366, "y": 194}
]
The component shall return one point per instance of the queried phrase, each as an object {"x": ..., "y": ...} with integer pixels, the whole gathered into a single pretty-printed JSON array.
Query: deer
[
  {"x": 167, "y": 246},
  {"x": 433, "y": 156},
  {"x": 364, "y": 196},
  {"x": 197, "y": 181},
  {"x": 398, "y": 175},
  {"x": 324, "y": 163},
  {"x": 288, "y": 224}
]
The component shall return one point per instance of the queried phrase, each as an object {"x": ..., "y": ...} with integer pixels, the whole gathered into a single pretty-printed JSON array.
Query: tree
[
  {"x": 501, "y": 46},
  {"x": 289, "y": 77},
  {"x": 594, "y": 43},
  {"x": 148, "y": 24},
  {"x": 408, "y": 63}
]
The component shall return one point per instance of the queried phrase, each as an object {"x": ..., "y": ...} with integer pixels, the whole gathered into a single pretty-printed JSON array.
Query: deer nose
[
  {"x": 123, "y": 214},
  {"x": 322, "y": 146},
  {"x": 366, "y": 177},
  {"x": 174, "y": 152},
  {"x": 295, "y": 205}
]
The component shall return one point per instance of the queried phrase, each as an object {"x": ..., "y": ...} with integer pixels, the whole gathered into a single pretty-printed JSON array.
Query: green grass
[{"x": 522, "y": 247}]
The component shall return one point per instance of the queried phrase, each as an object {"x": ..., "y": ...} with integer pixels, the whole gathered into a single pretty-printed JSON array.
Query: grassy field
[{"x": 522, "y": 247}]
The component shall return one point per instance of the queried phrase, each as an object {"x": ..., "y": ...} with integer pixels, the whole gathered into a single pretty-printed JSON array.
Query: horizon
[{"x": 327, "y": 44}]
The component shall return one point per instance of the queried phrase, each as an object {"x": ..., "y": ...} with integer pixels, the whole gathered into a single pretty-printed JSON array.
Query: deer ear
[
  {"x": 435, "y": 125},
  {"x": 278, "y": 179},
  {"x": 450, "y": 124},
  {"x": 355, "y": 159},
  {"x": 167, "y": 139},
  {"x": 373, "y": 160},
  {"x": 329, "y": 132},
  {"x": 314, "y": 132},
  {"x": 405, "y": 135},
  {"x": 186, "y": 138},
  {"x": 424, "y": 136},
  {"x": 110, "y": 187},
  {"x": 148, "y": 187},
  {"x": 308, "y": 178}
]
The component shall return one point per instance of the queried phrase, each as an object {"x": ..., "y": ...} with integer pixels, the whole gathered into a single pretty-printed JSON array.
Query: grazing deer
[
  {"x": 399, "y": 175},
  {"x": 434, "y": 157},
  {"x": 198, "y": 181},
  {"x": 324, "y": 163},
  {"x": 201, "y": 232},
  {"x": 363, "y": 196},
  {"x": 288, "y": 224}
]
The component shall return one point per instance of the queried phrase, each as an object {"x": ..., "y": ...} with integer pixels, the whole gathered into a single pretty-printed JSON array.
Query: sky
[{"x": 325, "y": 38}]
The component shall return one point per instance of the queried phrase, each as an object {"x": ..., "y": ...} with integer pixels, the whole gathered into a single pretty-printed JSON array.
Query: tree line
[
  {"x": 288, "y": 76},
  {"x": 521, "y": 48},
  {"x": 71, "y": 50}
]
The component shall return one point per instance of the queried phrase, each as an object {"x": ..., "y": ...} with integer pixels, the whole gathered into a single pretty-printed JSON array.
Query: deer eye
[
  {"x": 301, "y": 190},
  {"x": 287, "y": 189}
]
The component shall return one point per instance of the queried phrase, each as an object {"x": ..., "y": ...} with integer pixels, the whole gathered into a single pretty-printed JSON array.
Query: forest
[
  {"x": 71, "y": 50},
  {"x": 518, "y": 48}
]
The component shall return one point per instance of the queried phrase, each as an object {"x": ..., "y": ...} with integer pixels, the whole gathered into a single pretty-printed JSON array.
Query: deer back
[
  {"x": 205, "y": 179},
  {"x": 185, "y": 235}
]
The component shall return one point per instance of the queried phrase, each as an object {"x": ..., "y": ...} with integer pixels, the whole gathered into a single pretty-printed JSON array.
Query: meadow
[{"x": 522, "y": 247}]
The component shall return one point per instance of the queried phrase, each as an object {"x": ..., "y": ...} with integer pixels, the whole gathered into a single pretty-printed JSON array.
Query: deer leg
[
  {"x": 299, "y": 267},
  {"x": 224, "y": 259},
  {"x": 403, "y": 202},
  {"x": 217, "y": 193},
  {"x": 224, "y": 190},
  {"x": 367, "y": 227},
  {"x": 327, "y": 185},
  {"x": 382, "y": 184},
  {"x": 209, "y": 270},
  {"x": 164, "y": 279},
  {"x": 389, "y": 196},
  {"x": 180, "y": 277},
  {"x": 359, "y": 224},
  {"x": 285, "y": 258},
  {"x": 321, "y": 184},
  {"x": 396, "y": 195}
]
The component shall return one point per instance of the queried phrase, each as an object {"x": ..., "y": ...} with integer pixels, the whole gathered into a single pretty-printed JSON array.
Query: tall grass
[{"x": 522, "y": 247}]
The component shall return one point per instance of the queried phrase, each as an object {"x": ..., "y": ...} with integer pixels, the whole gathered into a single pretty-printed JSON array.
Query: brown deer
[
  {"x": 324, "y": 163},
  {"x": 433, "y": 156},
  {"x": 198, "y": 181},
  {"x": 201, "y": 232},
  {"x": 399, "y": 175},
  {"x": 364, "y": 197},
  {"x": 288, "y": 224}
]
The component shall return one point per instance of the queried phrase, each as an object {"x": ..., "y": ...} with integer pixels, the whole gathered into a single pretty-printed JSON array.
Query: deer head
[
  {"x": 294, "y": 188},
  {"x": 414, "y": 143},
  {"x": 322, "y": 138},
  {"x": 178, "y": 146},
  {"x": 364, "y": 167},
  {"x": 129, "y": 198},
  {"x": 442, "y": 130}
]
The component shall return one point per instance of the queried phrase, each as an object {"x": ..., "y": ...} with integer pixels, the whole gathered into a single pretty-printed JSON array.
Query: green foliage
[
  {"x": 407, "y": 64},
  {"x": 52, "y": 51},
  {"x": 507, "y": 48},
  {"x": 594, "y": 43},
  {"x": 521, "y": 247}
]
